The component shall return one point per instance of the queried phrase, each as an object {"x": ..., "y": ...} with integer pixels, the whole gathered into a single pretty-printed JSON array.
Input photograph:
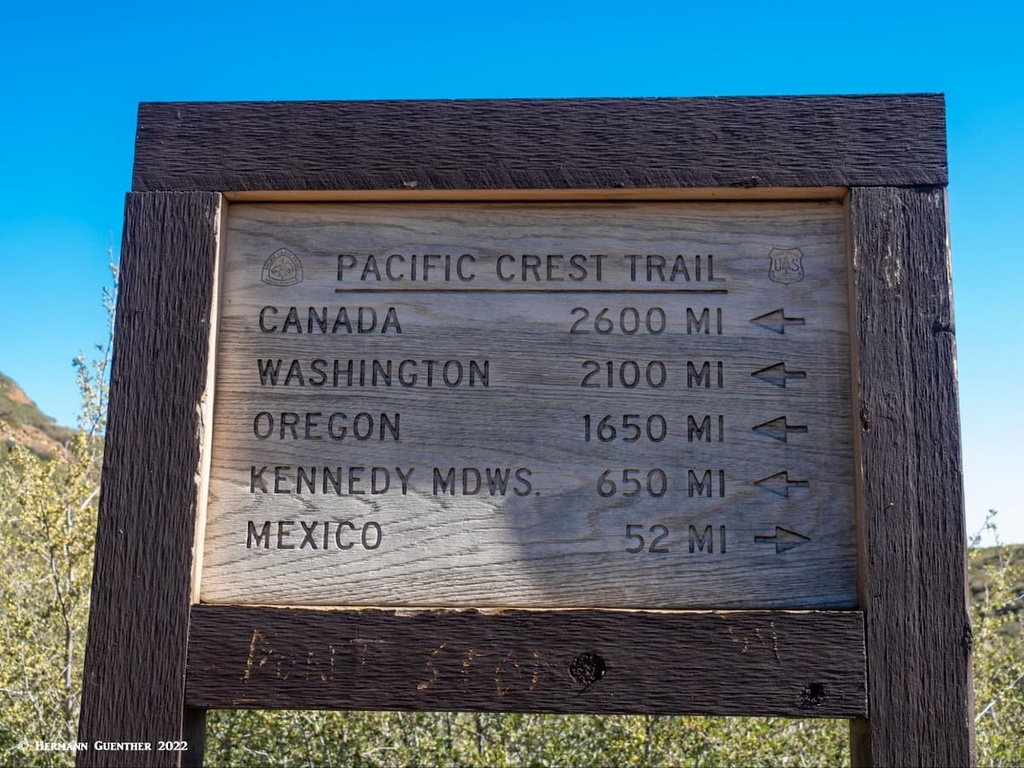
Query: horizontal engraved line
[{"x": 531, "y": 290}]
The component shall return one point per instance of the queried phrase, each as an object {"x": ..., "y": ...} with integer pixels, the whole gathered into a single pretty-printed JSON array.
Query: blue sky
[{"x": 72, "y": 75}]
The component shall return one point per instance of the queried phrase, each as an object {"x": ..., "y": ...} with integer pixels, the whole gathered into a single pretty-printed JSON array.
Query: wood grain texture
[
  {"x": 736, "y": 663},
  {"x": 918, "y": 625},
  {"x": 748, "y": 517},
  {"x": 542, "y": 144},
  {"x": 138, "y": 624}
]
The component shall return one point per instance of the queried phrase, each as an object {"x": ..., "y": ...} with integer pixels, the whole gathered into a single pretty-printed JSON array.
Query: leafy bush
[
  {"x": 997, "y": 580},
  {"x": 238, "y": 738},
  {"x": 48, "y": 503}
]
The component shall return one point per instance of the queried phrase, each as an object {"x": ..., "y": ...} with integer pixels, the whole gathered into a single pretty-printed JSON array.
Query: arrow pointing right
[{"x": 784, "y": 539}]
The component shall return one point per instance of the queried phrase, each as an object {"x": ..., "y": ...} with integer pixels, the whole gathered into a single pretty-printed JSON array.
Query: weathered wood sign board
[
  {"x": 590, "y": 405},
  {"x": 634, "y": 406}
]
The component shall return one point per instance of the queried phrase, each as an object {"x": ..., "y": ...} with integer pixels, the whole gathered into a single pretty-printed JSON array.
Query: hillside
[{"x": 21, "y": 421}]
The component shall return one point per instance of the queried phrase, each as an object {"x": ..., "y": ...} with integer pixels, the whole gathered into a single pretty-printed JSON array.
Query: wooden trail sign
[
  {"x": 409, "y": 414},
  {"x": 556, "y": 415}
]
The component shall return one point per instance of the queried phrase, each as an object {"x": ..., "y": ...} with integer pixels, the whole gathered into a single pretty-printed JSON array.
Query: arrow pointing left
[
  {"x": 779, "y": 483},
  {"x": 776, "y": 321},
  {"x": 778, "y": 374}
]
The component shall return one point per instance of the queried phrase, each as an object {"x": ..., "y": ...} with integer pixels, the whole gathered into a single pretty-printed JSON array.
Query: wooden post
[
  {"x": 134, "y": 686},
  {"x": 913, "y": 586}
]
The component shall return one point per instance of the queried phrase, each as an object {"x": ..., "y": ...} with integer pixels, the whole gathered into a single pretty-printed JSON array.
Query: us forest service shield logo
[
  {"x": 786, "y": 265},
  {"x": 282, "y": 268}
]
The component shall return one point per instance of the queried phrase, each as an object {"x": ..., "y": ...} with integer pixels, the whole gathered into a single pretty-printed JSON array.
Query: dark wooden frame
[{"x": 899, "y": 667}]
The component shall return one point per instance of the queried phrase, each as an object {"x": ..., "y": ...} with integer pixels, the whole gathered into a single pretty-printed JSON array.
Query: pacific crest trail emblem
[
  {"x": 786, "y": 265},
  {"x": 282, "y": 268}
]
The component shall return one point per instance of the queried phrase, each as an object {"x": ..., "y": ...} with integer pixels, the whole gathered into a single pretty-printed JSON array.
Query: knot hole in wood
[
  {"x": 587, "y": 668},
  {"x": 813, "y": 695}
]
